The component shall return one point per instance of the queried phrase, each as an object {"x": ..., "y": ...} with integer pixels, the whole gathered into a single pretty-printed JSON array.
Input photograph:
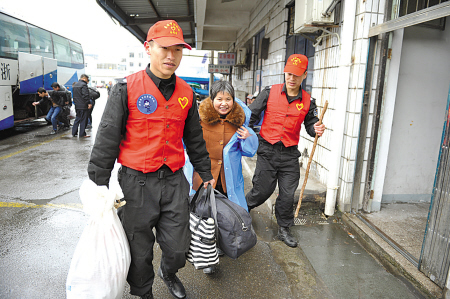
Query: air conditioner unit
[
  {"x": 309, "y": 15},
  {"x": 241, "y": 56}
]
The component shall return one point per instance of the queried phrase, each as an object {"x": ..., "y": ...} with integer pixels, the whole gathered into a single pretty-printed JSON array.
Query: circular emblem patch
[{"x": 147, "y": 104}]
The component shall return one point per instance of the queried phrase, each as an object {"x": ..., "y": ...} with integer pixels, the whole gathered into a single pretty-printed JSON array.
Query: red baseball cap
[
  {"x": 167, "y": 33},
  {"x": 296, "y": 64}
]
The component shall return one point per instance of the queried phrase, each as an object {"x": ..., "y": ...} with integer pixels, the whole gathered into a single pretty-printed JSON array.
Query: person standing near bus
[
  {"x": 145, "y": 120},
  {"x": 55, "y": 109},
  {"x": 82, "y": 105},
  {"x": 285, "y": 106},
  {"x": 66, "y": 101}
]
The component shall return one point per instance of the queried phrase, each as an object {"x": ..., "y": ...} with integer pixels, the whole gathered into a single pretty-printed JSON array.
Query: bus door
[
  {"x": 50, "y": 74},
  {"x": 6, "y": 109},
  {"x": 8, "y": 78},
  {"x": 31, "y": 73}
]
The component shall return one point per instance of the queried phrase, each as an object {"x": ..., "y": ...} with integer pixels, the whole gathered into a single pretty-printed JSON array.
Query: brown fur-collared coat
[{"x": 217, "y": 132}]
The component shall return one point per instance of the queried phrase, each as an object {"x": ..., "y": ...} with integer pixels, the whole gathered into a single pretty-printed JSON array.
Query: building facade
[{"x": 385, "y": 72}]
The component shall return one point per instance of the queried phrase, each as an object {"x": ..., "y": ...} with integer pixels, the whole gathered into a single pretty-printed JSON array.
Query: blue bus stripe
[
  {"x": 31, "y": 85},
  {"x": 7, "y": 123}
]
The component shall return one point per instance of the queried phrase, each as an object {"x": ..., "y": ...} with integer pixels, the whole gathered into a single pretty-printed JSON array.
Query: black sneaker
[
  {"x": 209, "y": 270},
  {"x": 220, "y": 252},
  {"x": 148, "y": 295},
  {"x": 174, "y": 285}
]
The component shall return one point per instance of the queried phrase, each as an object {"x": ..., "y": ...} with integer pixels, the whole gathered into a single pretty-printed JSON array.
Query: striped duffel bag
[{"x": 202, "y": 249}]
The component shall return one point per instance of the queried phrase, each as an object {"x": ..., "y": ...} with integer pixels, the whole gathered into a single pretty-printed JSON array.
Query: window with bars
[
  {"x": 410, "y": 6},
  {"x": 257, "y": 62},
  {"x": 406, "y": 7}
]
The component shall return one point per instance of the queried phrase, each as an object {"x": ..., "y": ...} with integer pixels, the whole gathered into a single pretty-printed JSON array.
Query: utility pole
[{"x": 211, "y": 76}]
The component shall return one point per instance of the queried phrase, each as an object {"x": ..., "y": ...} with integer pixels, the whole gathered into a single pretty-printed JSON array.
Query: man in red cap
[
  {"x": 285, "y": 106},
  {"x": 144, "y": 123}
]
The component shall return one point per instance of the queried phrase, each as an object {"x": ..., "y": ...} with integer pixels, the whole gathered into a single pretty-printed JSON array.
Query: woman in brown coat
[
  {"x": 224, "y": 120},
  {"x": 221, "y": 117}
]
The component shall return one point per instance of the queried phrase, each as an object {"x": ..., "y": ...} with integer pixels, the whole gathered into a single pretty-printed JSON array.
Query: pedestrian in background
[
  {"x": 286, "y": 107},
  {"x": 144, "y": 123},
  {"x": 250, "y": 99},
  {"x": 94, "y": 94},
  {"x": 110, "y": 86},
  {"x": 82, "y": 106},
  {"x": 55, "y": 109},
  {"x": 224, "y": 121}
]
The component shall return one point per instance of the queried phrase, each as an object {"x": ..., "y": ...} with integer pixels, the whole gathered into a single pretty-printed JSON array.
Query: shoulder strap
[{"x": 212, "y": 200}]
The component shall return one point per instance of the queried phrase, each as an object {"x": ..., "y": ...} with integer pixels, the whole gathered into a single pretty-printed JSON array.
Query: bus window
[
  {"x": 62, "y": 50},
  {"x": 41, "y": 42},
  {"x": 13, "y": 37},
  {"x": 77, "y": 55}
]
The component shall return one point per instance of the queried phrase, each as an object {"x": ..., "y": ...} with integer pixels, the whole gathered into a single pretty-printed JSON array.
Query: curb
[{"x": 393, "y": 261}]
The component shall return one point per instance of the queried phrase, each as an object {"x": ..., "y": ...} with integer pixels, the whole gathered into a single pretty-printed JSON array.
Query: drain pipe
[{"x": 340, "y": 104}]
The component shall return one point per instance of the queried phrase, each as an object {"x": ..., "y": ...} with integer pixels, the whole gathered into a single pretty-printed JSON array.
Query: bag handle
[
  {"x": 197, "y": 195},
  {"x": 212, "y": 201}
]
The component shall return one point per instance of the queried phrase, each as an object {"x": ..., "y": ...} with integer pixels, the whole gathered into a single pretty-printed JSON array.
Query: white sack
[
  {"x": 73, "y": 112},
  {"x": 102, "y": 258}
]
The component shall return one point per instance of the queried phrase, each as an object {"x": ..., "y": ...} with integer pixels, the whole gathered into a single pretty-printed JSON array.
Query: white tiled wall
[
  {"x": 272, "y": 15},
  {"x": 368, "y": 14}
]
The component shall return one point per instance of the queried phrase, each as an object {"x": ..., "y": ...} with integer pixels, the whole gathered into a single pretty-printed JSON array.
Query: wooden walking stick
[{"x": 310, "y": 159}]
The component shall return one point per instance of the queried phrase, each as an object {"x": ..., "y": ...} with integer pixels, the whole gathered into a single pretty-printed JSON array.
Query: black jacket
[
  {"x": 60, "y": 97},
  {"x": 56, "y": 97},
  {"x": 81, "y": 95},
  {"x": 260, "y": 104},
  {"x": 113, "y": 127}
]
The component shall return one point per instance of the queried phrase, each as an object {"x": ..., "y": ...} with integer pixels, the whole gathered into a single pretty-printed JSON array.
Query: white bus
[{"x": 32, "y": 57}]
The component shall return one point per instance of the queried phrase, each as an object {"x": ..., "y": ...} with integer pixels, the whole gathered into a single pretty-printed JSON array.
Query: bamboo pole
[{"x": 309, "y": 161}]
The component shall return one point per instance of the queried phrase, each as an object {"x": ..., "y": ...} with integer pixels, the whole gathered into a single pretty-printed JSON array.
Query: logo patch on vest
[
  {"x": 147, "y": 104},
  {"x": 183, "y": 102},
  {"x": 300, "y": 106}
]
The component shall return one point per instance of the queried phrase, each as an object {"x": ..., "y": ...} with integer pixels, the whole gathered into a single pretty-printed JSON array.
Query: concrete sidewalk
[
  {"x": 390, "y": 258},
  {"x": 268, "y": 270},
  {"x": 332, "y": 248}
]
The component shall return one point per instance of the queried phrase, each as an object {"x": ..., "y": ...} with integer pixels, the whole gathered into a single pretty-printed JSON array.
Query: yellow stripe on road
[
  {"x": 30, "y": 147},
  {"x": 77, "y": 206}
]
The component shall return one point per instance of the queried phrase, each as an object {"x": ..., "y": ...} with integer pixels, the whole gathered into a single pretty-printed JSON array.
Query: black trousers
[
  {"x": 64, "y": 116},
  {"x": 157, "y": 200},
  {"x": 276, "y": 163},
  {"x": 90, "y": 113},
  {"x": 81, "y": 120}
]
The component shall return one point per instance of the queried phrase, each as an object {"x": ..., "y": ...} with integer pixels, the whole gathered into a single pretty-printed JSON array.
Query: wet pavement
[{"x": 41, "y": 220}]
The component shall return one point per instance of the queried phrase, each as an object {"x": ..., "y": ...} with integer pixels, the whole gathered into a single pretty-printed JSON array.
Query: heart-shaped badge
[{"x": 183, "y": 102}]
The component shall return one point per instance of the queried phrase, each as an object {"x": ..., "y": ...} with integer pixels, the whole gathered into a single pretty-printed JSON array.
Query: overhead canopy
[
  {"x": 137, "y": 16},
  {"x": 217, "y": 21}
]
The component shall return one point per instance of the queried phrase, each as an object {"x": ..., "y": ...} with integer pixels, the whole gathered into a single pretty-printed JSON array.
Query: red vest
[
  {"x": 155, "y": 126},
  {"x": 282, "y": 121}
]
